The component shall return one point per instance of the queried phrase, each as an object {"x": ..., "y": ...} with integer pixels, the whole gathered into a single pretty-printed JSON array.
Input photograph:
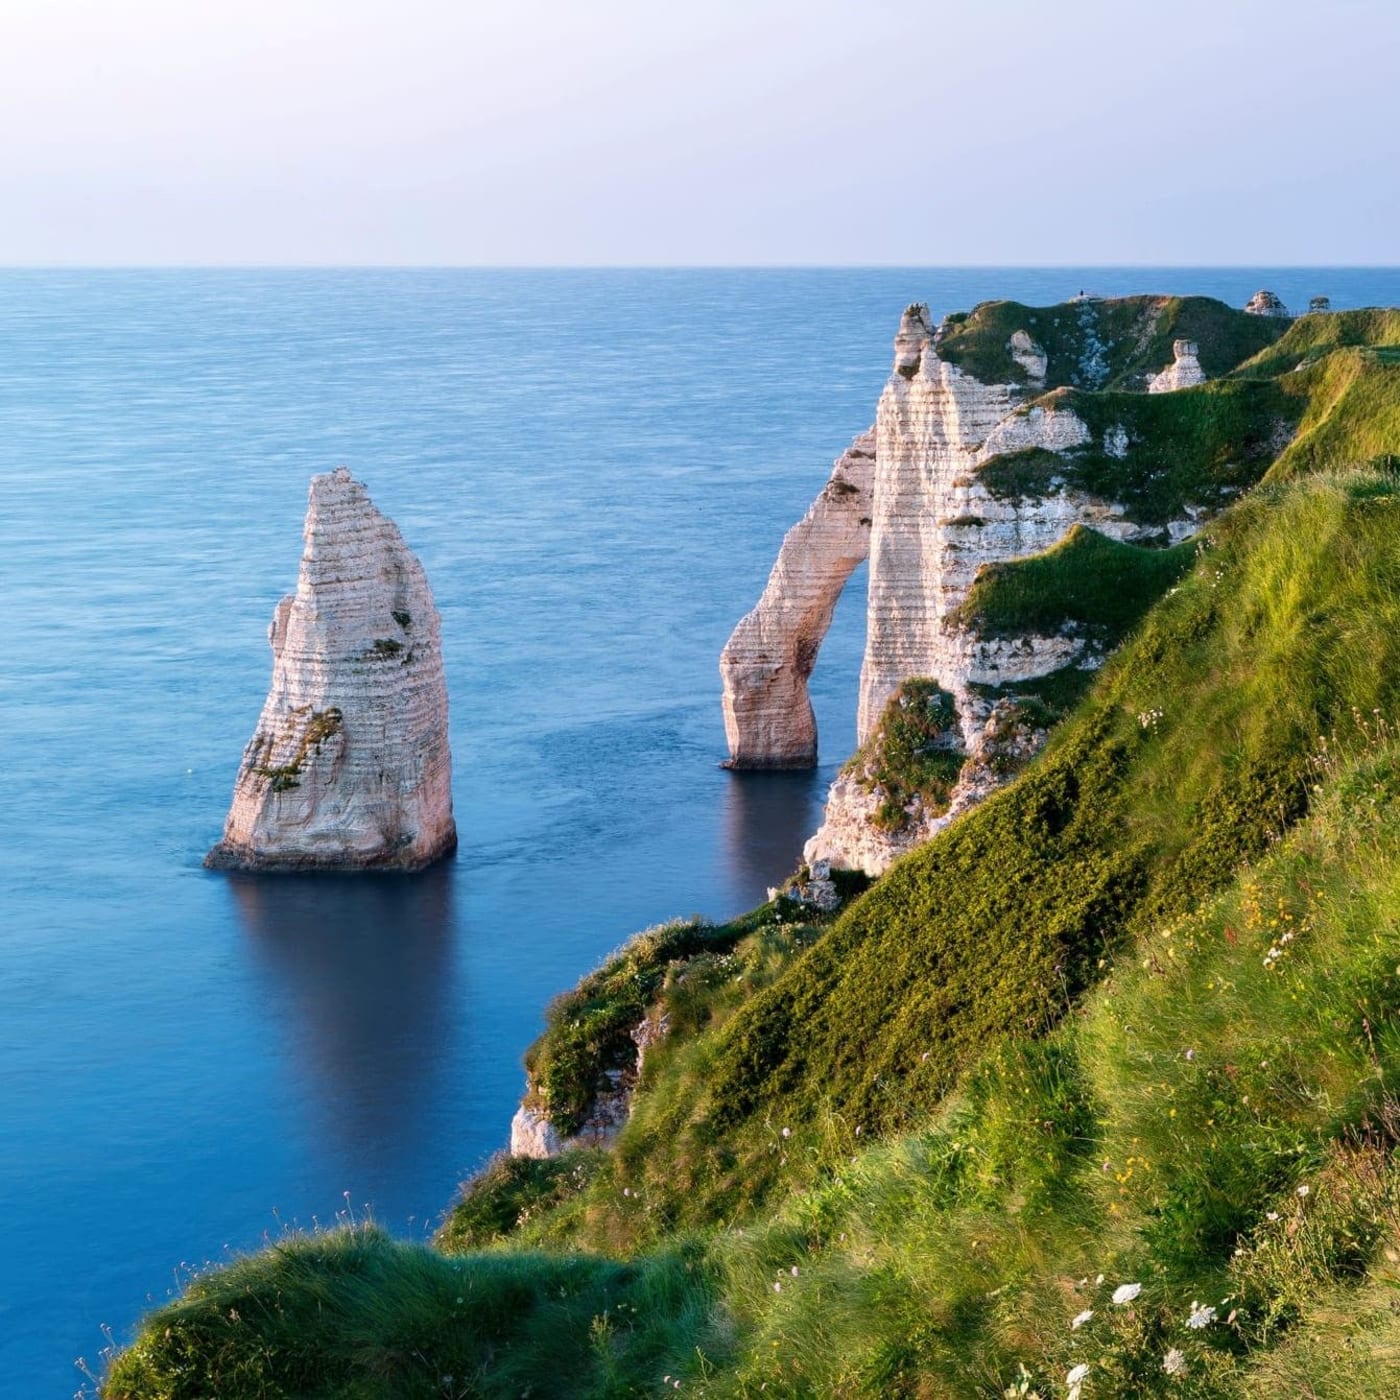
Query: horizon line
[{"x": 690, "y": 267}]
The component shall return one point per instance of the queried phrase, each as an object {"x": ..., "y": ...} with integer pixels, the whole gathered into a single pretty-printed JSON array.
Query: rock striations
[
  {"x": 924, "y": 504},
  {"x": 935, "y": 524},
  {"x": 349, "y": 768}
]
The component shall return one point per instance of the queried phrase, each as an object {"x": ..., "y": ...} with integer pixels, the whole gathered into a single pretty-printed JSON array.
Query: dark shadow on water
[
  {"x": 767, "y": 818},
  {"x": 366, "y": 964}
]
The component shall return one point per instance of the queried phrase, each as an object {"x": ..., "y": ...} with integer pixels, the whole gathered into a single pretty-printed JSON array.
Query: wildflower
[
  {"x": 1174, "y": 1363},
  {"x": 794, "y": 1271},
  {"x": 787, "y": 1132},
  {"x": 1098, "y": 1281},
  {"x": 1272, "y": 1215},
  {"x": 1202, "y": 1315},
  {"x": 1081, "y": 1319},
  {"x": 1075, "y": 1379},
  {"x": 1190, "y": 1054},
  {"x": 777, "y": 1288},
  {"x": 1303, "y": 1189},
  {"x": 1125, "y": 1293}
]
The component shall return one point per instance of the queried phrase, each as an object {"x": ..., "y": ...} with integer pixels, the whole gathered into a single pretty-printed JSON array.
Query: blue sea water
[{"x": 596, "y": 468}]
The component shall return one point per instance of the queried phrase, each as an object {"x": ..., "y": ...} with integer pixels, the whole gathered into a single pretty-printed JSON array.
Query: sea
[{"x": 596, "y": 468}]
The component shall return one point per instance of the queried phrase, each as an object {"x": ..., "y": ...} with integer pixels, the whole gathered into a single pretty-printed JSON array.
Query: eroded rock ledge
[{"x": 349, "y": 767}]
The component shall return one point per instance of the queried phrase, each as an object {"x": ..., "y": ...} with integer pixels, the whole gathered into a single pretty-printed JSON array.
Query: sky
[{"x": 608, "y": 132}]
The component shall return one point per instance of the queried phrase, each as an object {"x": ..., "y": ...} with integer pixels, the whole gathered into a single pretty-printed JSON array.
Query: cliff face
[
  {"x": 936, "y": 524},
  {"x": 349, "y": 766},
  {"x": 967, "y": 455}
]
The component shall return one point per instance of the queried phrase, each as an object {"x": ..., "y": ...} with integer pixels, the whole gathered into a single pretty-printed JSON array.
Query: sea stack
[{"x": 349, "y": 767}]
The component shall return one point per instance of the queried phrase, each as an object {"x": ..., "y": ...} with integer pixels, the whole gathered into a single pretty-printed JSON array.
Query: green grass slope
[
  {"x": 1188, "y": 758},
  {"x": 1088, "y": 583}
]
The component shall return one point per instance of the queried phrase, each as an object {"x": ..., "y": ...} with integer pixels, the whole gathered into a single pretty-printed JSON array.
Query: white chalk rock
[
  {"x": 1184, "y": 370},
  {"x": 349, "y": 766},
  {"x": 533, "y": 1135},
  {"x": 1266, "y": 303},
  {"x": 766, "y": 663},
  {"x": 1029, "y": 355}
]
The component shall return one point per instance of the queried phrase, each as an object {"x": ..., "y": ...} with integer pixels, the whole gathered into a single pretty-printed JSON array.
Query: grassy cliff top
[{"x": 1115, "y": 343}]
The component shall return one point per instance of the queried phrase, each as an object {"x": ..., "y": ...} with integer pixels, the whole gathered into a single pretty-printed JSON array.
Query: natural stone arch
[{"x": 766, "y": 663}]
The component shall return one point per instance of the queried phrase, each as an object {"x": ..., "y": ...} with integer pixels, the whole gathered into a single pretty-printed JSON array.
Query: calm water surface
[{"x": 596, "y": 469}]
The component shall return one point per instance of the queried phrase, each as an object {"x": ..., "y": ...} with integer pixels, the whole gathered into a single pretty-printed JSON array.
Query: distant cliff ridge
[
  {"x": 997, "y": 434},
  {"x": 349, "y": 767}
]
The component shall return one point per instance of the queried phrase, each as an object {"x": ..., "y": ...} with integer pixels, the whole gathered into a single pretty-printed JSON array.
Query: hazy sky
[{"x": 607, "y": 131}]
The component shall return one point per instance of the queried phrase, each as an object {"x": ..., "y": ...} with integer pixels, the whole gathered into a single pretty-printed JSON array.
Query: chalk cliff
[
  {"x": 974, "y": 463},
  {"x": 349, "y": 766},
  {"x": 936, "y": 522}
]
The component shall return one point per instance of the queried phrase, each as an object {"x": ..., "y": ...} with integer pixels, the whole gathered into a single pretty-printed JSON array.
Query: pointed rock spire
[{"x": 349, "y": 767}]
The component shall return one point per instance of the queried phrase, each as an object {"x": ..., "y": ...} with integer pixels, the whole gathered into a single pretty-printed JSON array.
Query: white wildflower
[
  {"x": 1125, "y": 1293},
  {"x": 1202, "y": 1315},
  {"x": 1303, "y": 1189},
  {"x": 777, "y": 1288},
  {"x": 1081, "y": 1319},
  {"x": 787, "y": 1132},
  {"x": 794, "y": 1271},
  {"x": 1076, "y": 1376},
  {"x": 1174, "y": 1362},
  {"x": 1272, "y": 1215}
]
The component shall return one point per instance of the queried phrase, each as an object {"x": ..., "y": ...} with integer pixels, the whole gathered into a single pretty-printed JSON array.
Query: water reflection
[
  {"x": 367, "y": 964},
  {"x": 767, "y": 818}
]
